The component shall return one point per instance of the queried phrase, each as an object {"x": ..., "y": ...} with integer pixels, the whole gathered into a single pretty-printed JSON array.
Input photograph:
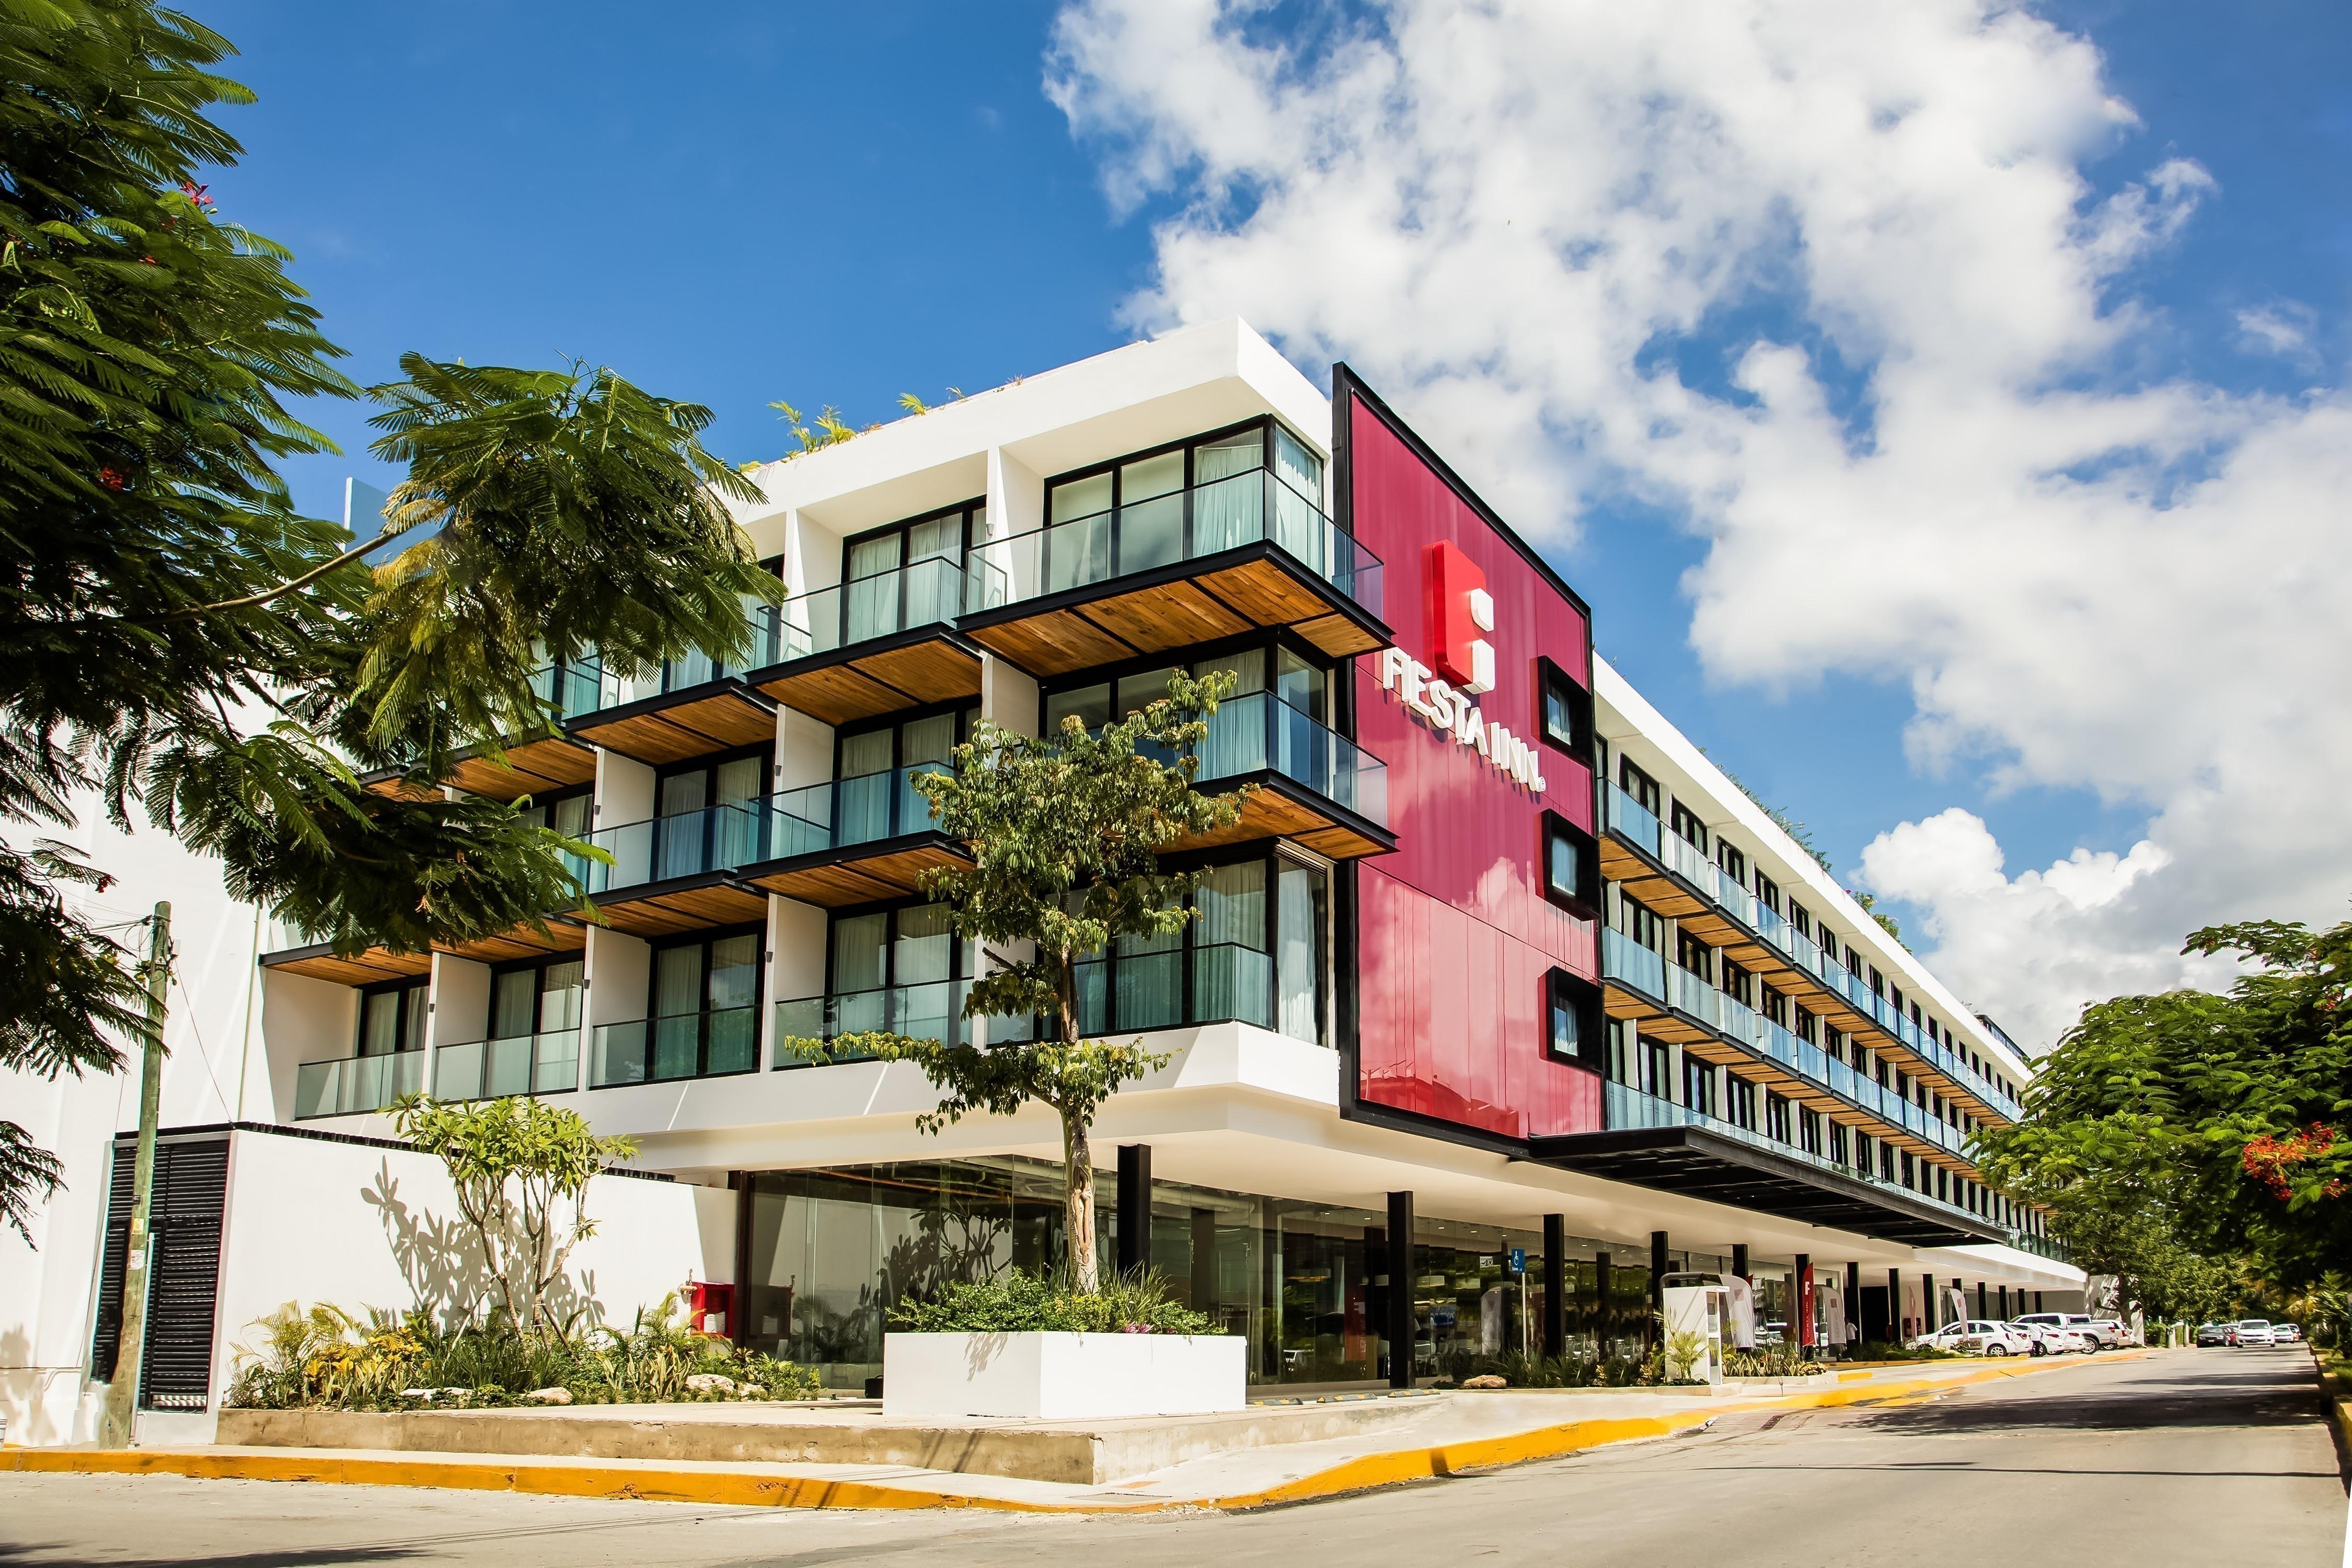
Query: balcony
[
  {"x": 932, "y": 1010},
  {"x": 1214, "y": 982},
  {"x": 852, "y": 841},
  {"x": 672, "y": 873},
  {"x": 690, "y": 706},
  {"x": 1306, "y": 770},
  {"x": 1655, "y": 1143},
  {"x": 1632, "y": 850},
  {"x": 523, "y": 1064},
  {"x": 666, "y": 1050},
  {"x": 873, "y": 644},
  {"x": 1212, "y": 561},
  {"x": 319, "y": 960},
  {"x": 352, "y": 1085},
  {"x": 1628, "y": 963}
]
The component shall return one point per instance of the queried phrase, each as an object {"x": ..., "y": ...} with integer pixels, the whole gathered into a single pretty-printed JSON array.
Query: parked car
[
  {"x": 2112, "y": 1333},
  {"x": 2211, "y": 1334},
  {"x": 2287, "y": 1334},
  {"x": 2049, "y": 1339},
  {"x": 2254, "y": 1331},
  {"x": 2103, "y": 1334}
]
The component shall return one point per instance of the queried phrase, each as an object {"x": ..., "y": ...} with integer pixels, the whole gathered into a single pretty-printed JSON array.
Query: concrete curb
[{"x": 774, "y": 1487}]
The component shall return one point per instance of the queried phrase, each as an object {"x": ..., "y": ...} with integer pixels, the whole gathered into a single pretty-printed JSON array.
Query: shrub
[
  {"x": 1015, "y": 1303},
  {"x": 326, "y": 1358}
]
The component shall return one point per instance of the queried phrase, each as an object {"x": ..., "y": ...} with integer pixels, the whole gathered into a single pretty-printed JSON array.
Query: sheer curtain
[
  {"x": 1078, "y": 537},
  {"x": 734, "y": 1031},
  {"x": 864, "y": 812},
  {"x": 1297, "y": 501},
  {"x": 677, "y": 1011},
  {"x": 871, "y": 593},
  {"x": 1298, "y": 956},
  {"x": 1236, "y": 739},
  {"x": 1230, "y": 970},
  {"x": 1228, "y": 497}
]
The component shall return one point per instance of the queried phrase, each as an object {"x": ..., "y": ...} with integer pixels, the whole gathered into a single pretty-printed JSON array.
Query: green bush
[
  {"x": 1017, "y": 1303},
  {"x": 326, "y": 1358}
]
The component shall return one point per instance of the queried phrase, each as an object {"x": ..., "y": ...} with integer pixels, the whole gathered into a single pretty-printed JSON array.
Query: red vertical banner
[{"x": 1806, "y": 1335}]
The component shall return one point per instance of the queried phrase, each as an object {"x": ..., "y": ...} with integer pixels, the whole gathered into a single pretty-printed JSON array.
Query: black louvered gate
[{"x": 185, "y": 1215}]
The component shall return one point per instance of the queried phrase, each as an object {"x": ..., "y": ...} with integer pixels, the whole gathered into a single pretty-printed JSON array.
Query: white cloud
[
  {"x": 2283, "y": 329},
  {"x": 2093, "y": 573}
]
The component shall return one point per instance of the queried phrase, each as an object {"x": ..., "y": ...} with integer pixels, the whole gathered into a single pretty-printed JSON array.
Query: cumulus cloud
[
  {"x": 1828, "y": 283},
  {"x": 2283, "y": 329}
]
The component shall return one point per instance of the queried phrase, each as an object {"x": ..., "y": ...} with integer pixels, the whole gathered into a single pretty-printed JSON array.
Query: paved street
[{"x": 2208, "y": 1458}]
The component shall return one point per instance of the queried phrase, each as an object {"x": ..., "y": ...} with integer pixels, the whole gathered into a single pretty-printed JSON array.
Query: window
[
  {"x": 1571, "y": 863},
  {"x": 1734, "y": 863},
  {"x": 1689, "y": 828},
  {"x": 1694, "y": 955},
  {"x": 1257, "y": 955},
  {"x": 1574, "y": 1019},
  {"x": 1566, "y": 721},
  {"x": 1768, "y": 892},
  {"x": 1775, "y": 1006},
  {"x": 703, "y": 814},
  {"x": 1738, "y": 985},
  {"x": 1640, "y": 785},
  {"x": 1641, "y": 924},
  {"x": 392, "y": 1017},
  {"x": 877, "y": 597},
  {"x": 535, "y": 999},
  {"x": 1239, "y": 739},
  {"x": 1775, "y": 1119},
  {"x": 1809, "y": 1129},
  {"x": 1654, "y": 1068},
  {"x": 1193, "y": 498},
  {"x": 1698, "y": 1085},
  {"x": 1838, "y": 1143},
  {"x": 897, "y": 969},
  {"x": 1804, "y": 1028},
  {"x": 875, "y": 768},
  {"x": 1802, "y": 918},
  {"x": 1741, "y": 1108},
  {"x": 705, "y": 1006}
]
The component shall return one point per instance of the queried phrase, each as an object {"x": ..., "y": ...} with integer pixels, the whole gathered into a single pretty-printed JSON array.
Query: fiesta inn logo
[{"x": 1461, "y": 624}]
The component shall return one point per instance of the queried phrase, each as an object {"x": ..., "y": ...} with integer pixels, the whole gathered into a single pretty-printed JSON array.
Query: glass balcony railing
[
  {"x": 1214, "y": 982},
  {"x": 1260, "y": 733},
  {"x": 863, "y": 809},
  {"x": 923, "y": 592},
  {"x": 1629, "y": 818},
  {"x": 931, "y": 1010},
  {"x": 569, "y": 689},
  {"x": 1205, "y": 519},
  {"x": 546, "y": 1063},
  {"x": 686, "y": 844},
  {"x": 681, "y": 1046},
  {"x": 1624, "y": 959},
  {"x": 354, "y": 1084},
  {"x": 1682, "y": 858},
  {"x": 1692, "y": 993}
]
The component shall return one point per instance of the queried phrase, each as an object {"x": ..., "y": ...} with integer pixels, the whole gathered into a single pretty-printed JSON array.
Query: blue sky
[{"x": 738, "y": 203}]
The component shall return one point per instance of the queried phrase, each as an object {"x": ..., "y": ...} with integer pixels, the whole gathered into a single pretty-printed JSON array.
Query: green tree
[
  {"x": 515, "y": 1162},
  {"x": 174, "y": 637},
  {"x": 2209, "y": 1123},
  {"x": 1064, "y": 834}
]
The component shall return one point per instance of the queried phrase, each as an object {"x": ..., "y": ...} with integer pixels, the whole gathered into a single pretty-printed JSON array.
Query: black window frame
[
  {"x": 1556, "y": 686},
  {"x": 703, "y": 939},
  {"x": 965, "y": 509},
  {"x": 1575, "y": 997},
  {"x": 1686, "y": 825},
  {"x": 1644, "y": 791},
  {"x": 1269, "y": 639},
  {"x": 1584, "y": 900},
  {"x": 415, "y": 990},
  {"x": 1263, "y": 423},
  {"x": 538, "y": 964}
]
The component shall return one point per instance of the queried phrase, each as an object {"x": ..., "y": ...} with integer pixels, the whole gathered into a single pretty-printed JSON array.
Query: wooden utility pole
[{"x": 122, "y": 1391}]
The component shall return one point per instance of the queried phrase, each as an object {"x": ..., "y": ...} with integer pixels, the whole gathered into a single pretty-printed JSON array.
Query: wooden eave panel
[
  {"x": 833, "y": 884},
  {"x": 836, "y": 694},
  {"x": 1338, "y": 637},
  {"x": 684, "y": 909},
  {"x": 932, "y": 671},
  {"x": 1269, "y": 813},
  {"x": 1267, "y": 594},
  {"x": 1340, "y": 844},
  {"x": 1053, "y": 643},
  {"x": 1165, "y": 615},
  {"x": 533, "y": 768},
  {"x": 361, "y": 969},
  {"x": 519, "y": 943},
  {"x": 719, "y": 723},
  {"x": 405, "y": 789}
]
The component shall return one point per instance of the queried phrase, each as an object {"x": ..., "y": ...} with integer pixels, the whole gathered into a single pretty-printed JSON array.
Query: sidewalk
[{"x": 1457, "y": 1433}]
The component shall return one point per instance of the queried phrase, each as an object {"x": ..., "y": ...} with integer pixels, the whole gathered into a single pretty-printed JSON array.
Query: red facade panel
[{"x": 1454, "y": 933}]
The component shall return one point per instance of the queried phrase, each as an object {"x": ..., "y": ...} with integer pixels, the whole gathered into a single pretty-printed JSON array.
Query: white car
[
  {"x": 1976, "y": 1338},
  {"x": 2049, "y": 1339},
  {"x": 2287, "y": 1334},
  {"x": 2255, "y": 1331},
  {"x": 2102, "y": 1334}
]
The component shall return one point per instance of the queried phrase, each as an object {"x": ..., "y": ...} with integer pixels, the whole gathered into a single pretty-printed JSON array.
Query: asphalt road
[{"x": 2205, "y": 1458}]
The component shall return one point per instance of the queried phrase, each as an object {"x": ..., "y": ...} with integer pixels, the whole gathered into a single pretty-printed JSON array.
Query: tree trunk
[{"x": 1078, "y": 1205}]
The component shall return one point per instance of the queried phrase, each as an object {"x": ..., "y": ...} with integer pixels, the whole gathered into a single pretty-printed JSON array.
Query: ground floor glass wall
[{"x": 833, "y": 1250}]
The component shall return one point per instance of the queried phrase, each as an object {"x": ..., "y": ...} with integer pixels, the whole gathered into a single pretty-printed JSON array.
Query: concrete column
[
  {"x": 1134, "y": 1210},
  {"x": 1656, "y": 1328},
  {"x": 1400, "y": 1280},
  {"x": 1555, "y": 1285}
]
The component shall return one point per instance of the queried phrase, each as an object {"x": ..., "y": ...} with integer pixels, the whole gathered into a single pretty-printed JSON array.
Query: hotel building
[{"x": 1495, "y": 966}]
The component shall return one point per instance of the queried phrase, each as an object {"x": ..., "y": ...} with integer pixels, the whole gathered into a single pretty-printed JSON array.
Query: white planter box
[{"x": 1061, "y": 1377}]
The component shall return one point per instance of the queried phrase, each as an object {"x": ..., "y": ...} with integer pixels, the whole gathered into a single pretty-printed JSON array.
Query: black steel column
[
  {"x": 1604, "y": 1325},
  {"x": 1134, "y": 1209},
  {"x": 1739, "y": 1259},
  {"x": 1555, "y": 1285},
  {"x": 739, "y": 1316},
  {"x": 1928, "y": 1323},
  {"x": 1895, "y": 1333},
  {"x": 2037, "y": 1301},
  {"x": 1983, "y": 1310},
  {"x": 1656, "y": 1332},
  {"x": 1853, "y": 1308},
  {"x": 1401, "y": 1324}
]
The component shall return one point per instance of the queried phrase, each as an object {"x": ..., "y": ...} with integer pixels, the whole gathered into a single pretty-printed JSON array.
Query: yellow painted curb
[{"x": 752, "y": 1489}]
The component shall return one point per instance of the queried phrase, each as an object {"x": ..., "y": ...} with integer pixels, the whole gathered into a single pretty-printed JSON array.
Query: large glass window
[
  {"x": 876, "y": 768},
  {"x": 900, "y": 970},
  {"x": 1256, "y": 954},
  {"x": 392, "y": 1017},
  {"x": 909, "y": 573},
  {"x": 704, "y": 1008},
  {"x": 703, "y": 815},
  {"x": 1195, "y": 498}
]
